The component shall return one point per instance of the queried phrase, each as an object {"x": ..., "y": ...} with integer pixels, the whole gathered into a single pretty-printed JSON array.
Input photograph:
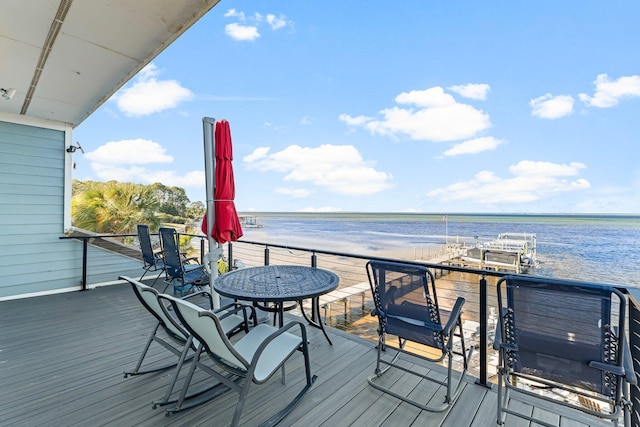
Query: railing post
[
  {"x": 634, "y": 346},
  {"x": 85, "y": 250},
  {"x": 202, "y": 251},
  {"x": 483, "y": 333},
  {"x": 266, "y": 255},
  {"x": 314, "y": 260}
]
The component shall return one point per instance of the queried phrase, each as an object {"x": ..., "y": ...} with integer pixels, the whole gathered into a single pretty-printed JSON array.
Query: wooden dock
[{"x": 62, "y": 358}]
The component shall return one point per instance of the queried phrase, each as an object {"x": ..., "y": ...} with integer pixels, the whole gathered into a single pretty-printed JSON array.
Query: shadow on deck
[{"x": 62, "y": 358}]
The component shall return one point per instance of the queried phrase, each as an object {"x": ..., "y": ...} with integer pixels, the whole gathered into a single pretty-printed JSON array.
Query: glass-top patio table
[{"x": 278, "y": 284}]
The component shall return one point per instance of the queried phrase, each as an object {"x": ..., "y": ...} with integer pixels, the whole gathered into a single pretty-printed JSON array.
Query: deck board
[{"x": 62, "y": 359}]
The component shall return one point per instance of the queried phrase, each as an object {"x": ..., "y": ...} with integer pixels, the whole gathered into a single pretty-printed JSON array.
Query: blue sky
[{"x": 412, "y": 106}]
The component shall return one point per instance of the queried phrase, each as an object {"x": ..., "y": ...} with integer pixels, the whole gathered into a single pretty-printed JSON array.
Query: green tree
[
  {"x": 172, "y": 200},
  {"x": 79, "y": 186},
  {"x": 196, "y": 210},
  {"x": 114, "y": 208}
]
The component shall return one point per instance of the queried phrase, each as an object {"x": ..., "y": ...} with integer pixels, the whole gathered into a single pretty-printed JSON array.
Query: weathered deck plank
[{"x": 62, "y": 359}]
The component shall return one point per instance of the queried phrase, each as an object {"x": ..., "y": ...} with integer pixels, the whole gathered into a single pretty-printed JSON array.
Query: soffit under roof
[{"x": 99, "y": 46}]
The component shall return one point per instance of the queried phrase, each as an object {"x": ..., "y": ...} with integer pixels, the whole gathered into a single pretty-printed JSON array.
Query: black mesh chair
[
  {"x": 182, "y": 276},
  {"x": 407, "y": 307},
  {"x": 153, "y": 261},
  {"x": 563, "y": 338}
]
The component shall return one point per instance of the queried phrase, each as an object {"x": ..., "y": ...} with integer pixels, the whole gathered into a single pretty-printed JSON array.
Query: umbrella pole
[{"x": 215, "y": 249}]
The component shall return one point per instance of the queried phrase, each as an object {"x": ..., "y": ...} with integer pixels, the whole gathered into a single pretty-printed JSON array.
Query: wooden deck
[{"x": 62, "y": 358}]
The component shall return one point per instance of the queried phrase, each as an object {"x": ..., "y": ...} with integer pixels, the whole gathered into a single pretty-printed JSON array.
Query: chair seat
[
  {"x": 229, "y": 323},
  {"x": 275, "y": 352},
  {"x": 193, "y": 274}
]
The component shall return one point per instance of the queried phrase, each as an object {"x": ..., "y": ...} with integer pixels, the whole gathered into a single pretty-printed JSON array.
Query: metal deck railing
[{"x": 476, "y": 286}]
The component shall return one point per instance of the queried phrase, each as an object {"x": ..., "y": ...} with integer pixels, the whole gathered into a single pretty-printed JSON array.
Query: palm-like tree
[{"x": 115, "y": 208}]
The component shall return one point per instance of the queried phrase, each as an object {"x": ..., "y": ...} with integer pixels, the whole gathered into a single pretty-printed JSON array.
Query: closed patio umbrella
[
  {"x": 221, "y": 210},
  {"x": 226, "y": 225}
]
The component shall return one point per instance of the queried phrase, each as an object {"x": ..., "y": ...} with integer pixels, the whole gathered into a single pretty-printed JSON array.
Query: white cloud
[
  {"x": 474, "y": 146},
  {"x": 149, "y": 95},
  {"x": 241, "y": 32},
  {"x": 258, "y": 153},
  {"x": 531, "y": 181},
  {"x": 129, "y": 152},
  {"x": 432, "y": 97},
  {"x": 296, "y": 193},
  {"x": 276, "y": 22},
  {"x": 616, "y": 199},
  {"x": 172, "y": 178},
  {"x": 130, "y": 161},
  {"x": 247, "y": 28},
  {"x": 438, "y": 117},
  {"x": 472, "y": 91},
  {"x": 551, "y": 107},
  {"x": 232, "y": 13},
  {"x": 354, "y": 121},
  {"x": 338, "y": 168},
  {"x": 528, "y": 168},
  {"x": 609, "y": 92}
]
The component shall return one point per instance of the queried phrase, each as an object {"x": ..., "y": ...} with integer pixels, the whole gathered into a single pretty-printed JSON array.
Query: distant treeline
[{"x": 117, "y": 207}]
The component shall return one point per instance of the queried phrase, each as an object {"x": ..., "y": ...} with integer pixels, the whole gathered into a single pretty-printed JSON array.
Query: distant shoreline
[{"x": 450, "y": 216}]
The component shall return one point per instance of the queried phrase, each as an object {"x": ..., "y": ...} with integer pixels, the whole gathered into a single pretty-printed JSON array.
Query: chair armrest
[
  {"x": 454, "y": 316},
  {"x": 497, "y": 339},
  {"x": 276, "y": 334},
  {"x": 627, "y": 362},
  {"x": 201, "y": 293},
  {"x": 234, "y": 308},
  {"x": 416, "y": 322},
  {"x": 626, "y": 370},
  {"x": 614, "y": 369}
]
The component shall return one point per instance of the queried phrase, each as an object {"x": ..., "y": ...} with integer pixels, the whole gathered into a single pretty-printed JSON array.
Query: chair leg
[
  {"x": 503, "y": 391},
  {"x": 176, "y": 374},
  {"x": 274, "y": 420},
  {"x": 243, "y": 396},
  {"x": 156, "y": 279},
  {"x": 187, "y": 381},
  {"x": 283, "y": 380},
  {"x": 136, "y": 370}
]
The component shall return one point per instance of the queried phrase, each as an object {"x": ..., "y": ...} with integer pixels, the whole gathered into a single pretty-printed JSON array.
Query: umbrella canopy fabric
[{"x": 226, "y": 225}]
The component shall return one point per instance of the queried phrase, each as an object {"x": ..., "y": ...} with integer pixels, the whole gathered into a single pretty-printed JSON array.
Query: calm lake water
[{"x": 596, "y": 248}]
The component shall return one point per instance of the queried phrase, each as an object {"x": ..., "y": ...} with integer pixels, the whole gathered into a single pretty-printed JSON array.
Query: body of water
[{"x": 594, "y": 248}]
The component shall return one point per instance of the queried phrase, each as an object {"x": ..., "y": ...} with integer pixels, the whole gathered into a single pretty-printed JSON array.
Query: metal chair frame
[
  {"x": 419, "y": 321},
  {"x": 181, "y": 276},
  {"x": 253, "y": 359},
  {"x": 152, "y": 260},
  {"x": 565, "y": 335},
  {"x": 178, "y": 340}
]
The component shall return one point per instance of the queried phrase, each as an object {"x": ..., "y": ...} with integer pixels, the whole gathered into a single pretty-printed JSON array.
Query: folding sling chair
[
  {"x": 255, "y": 358},
  {"x": 563, "y": 336},
  {"x": 176, "y": 338},
  {"x": 407, "y": 307}
]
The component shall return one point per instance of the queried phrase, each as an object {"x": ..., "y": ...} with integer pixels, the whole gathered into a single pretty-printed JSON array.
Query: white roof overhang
[{"x": 65, "y": 58}]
